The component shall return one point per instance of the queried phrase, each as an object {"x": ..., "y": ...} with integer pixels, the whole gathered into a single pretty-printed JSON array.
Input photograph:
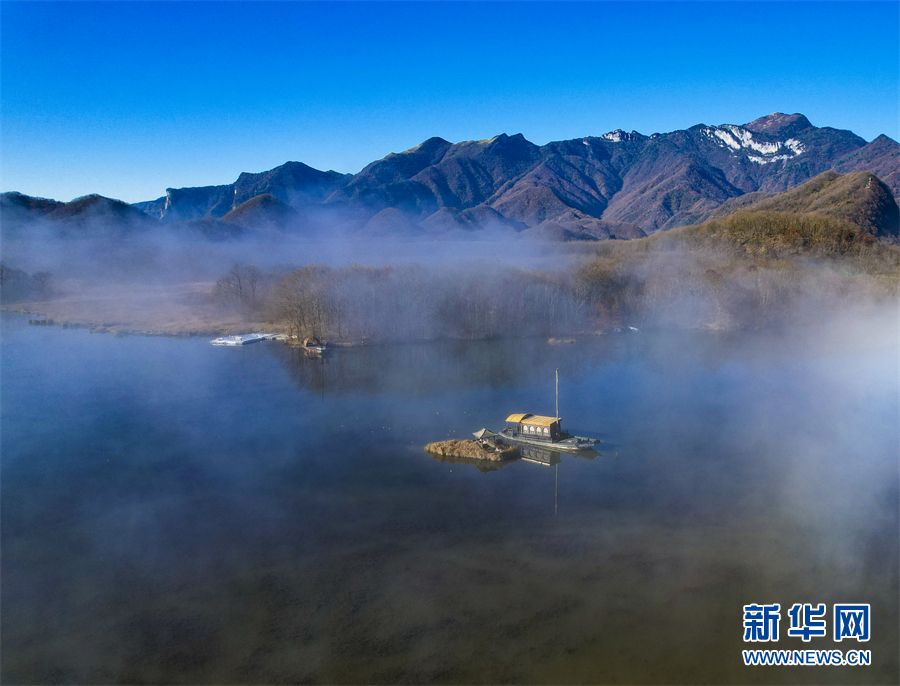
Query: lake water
[{"x": 174, "y": 512}]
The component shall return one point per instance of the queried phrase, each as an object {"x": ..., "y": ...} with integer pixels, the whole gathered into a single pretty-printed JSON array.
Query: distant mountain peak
[
  {"x": 503, "y": 138},
  {"x": 778, "y": 123},
  {"x": 620, "y": 136},
  {"x": 517, "y": 140},
  {"x": 428, "y": 145},
  {"x": 882, "y": 139},
  {"x": 261, "y": 209}
]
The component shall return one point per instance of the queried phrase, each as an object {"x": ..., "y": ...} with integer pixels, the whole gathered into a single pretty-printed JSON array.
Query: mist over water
[
  {"x": 178, "y": 513},
  {"x": 103, "y": 252},
  {"x": 166, "y": 281}
]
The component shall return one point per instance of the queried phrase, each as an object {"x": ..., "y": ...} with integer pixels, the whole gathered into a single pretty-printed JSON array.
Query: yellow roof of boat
[
  {"x": 537, "y": 420},
  {"x": 532, "y": 420}
]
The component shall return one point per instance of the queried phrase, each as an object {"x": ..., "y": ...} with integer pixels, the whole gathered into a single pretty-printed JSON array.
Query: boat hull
[{"x": 570, "y": 445}]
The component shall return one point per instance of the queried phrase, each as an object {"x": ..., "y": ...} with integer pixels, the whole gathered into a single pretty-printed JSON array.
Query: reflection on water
[
  {"x": 529, "y": 454},
  {"x": 178, "y": 513},
  {"x": 441, "y": 366},
  {"x": 484, "y": 466},
  {"x": 548, "y": 458},
  {"x": 538, "y": 455}
]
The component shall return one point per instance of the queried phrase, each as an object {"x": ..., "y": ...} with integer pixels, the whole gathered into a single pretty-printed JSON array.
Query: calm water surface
[{"x": 173, "y": 512}]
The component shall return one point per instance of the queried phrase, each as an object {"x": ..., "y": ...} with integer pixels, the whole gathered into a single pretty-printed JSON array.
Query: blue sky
[{"x": 127, "y": 99}]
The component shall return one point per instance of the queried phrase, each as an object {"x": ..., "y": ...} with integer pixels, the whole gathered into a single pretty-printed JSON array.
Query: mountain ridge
[
  {"x": 619, "y": 184},
  {"x": 859, "y": 198}
]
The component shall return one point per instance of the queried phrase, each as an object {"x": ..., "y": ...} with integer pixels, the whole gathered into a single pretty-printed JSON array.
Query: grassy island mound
[{"x": 471, "y": 450}]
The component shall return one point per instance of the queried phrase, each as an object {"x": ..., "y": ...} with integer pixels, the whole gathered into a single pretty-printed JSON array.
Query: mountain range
[{"x": 617, "y": 185}]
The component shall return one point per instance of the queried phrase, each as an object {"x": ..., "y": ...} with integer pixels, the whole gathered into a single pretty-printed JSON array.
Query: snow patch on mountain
[
  {"x": 726, "y": 138},
  {"x": 767, "y": 160},
  {"x": 741, "y": 140},
  {"x": 618, "y": 136},
  {"x": 794, "y": 145}
]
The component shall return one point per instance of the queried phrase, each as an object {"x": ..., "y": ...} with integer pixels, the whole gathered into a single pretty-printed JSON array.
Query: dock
[{"x": 248, "y": 338}]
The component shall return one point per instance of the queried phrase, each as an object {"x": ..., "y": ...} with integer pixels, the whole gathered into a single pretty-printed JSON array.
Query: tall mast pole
[{"x": 556, "y": 489}]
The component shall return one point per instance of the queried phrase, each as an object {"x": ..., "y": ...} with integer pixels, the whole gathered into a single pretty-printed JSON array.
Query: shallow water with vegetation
[{"x": 173, "y": 512}]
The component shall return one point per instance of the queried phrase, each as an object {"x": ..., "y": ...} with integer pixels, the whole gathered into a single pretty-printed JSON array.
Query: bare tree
[
  {"x": 44, "y": 281},
  {"x": 242, "y": 286}
]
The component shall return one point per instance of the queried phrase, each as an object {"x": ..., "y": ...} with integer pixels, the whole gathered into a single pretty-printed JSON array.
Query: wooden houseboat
[{"x": 544, "y": 431}]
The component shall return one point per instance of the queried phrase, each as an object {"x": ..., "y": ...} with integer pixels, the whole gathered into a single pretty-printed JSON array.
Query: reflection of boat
[
  {"x": 246, "y": 339},
  {"x": 548, "y": 458},
  {"x": 545, "y": 456},
  {"x": 588, "y": 454},
  {"x": 551, "y": 458}
]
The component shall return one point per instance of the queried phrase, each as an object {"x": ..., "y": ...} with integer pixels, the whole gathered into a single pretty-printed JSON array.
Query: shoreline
[
  {"x": 42, "y": 317},
  {"x": 179, "y": 310},
  {"x": 174, "y": 329},
  {"x": 192, "y": 323},
  {"x": 183, "y": 310}
]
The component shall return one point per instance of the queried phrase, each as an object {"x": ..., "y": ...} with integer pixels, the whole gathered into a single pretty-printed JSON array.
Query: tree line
[
  {"x": 17, "y": 285},
  {"x": 745, "y": 271}
]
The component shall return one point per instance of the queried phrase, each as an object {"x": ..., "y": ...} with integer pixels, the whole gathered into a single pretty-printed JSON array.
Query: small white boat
[
  {"x": 313, "y": 345},
  {"x": 246, "y": 339}
]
